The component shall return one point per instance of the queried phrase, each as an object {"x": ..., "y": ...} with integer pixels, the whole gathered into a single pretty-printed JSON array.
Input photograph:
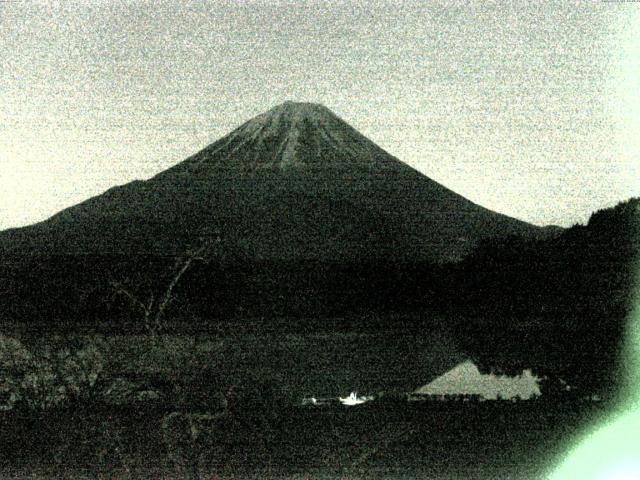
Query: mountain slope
[{"x": 293, "y": 184}]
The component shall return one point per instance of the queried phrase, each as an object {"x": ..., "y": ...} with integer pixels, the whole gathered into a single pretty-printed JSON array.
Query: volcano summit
[{"x": 295, "y": 183}]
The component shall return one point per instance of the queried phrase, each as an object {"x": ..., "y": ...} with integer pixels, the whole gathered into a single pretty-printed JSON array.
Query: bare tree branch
[
  {"x": 154, "y": 312},
  {"x": 119, "y": 289},
  {"x": 168, "y": 294}
]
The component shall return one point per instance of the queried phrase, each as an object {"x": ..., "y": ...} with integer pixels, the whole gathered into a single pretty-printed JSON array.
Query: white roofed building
[{"x": 466, "y": 379}]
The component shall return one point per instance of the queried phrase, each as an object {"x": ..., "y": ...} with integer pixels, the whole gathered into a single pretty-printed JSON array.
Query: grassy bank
[{"x": 431, "y": 440}]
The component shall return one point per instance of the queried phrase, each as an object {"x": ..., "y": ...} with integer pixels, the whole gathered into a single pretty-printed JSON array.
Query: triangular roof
[{"x": 466, "y": 378}]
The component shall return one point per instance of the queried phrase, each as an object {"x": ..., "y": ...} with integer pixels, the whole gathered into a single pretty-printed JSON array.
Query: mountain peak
[
  {"x": 291, "y": 114},
  {"x": 302, "y": 107},
  {"x": 297, "y": 135},
  {"x": 301, "y": 110}
]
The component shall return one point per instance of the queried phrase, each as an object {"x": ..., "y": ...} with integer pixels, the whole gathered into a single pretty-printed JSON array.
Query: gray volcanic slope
[{"x": 295, "y": 183}]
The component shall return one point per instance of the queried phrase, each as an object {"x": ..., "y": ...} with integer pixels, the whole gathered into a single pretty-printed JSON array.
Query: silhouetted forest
[{"x": 558, "y": 306}]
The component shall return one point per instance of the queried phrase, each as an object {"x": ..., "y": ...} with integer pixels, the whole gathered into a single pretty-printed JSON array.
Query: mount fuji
[{"x": 293, "y": 184}]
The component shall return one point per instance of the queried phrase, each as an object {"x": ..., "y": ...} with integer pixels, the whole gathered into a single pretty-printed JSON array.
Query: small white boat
[{"x": 352, "y": 399}]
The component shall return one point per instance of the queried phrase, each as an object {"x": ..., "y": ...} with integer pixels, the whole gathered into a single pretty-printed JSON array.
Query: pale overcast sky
[{"x": 528, "y": 108}]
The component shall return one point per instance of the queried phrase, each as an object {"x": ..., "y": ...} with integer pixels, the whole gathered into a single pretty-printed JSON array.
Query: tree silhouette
[
  {"x": 558, "y": 306},
  {"x": 154, "y": 307}
]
